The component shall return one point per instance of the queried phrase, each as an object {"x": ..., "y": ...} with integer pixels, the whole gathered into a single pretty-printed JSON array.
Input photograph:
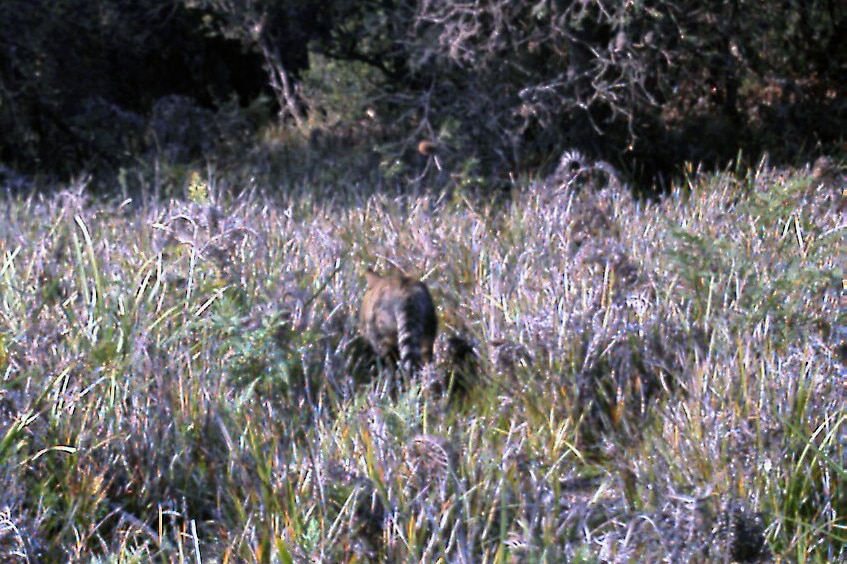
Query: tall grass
[{"x": 653, "y": 381}]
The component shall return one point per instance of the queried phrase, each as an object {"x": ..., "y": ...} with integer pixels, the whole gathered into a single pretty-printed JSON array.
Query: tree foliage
[{"x": 498, "y": 86}]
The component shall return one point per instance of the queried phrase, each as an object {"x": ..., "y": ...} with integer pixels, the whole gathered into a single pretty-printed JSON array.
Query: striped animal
[{"x": 397, "y": 317}]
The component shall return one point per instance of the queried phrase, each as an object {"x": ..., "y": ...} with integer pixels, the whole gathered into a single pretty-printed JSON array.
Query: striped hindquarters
[{"x": 409, "y": 335}]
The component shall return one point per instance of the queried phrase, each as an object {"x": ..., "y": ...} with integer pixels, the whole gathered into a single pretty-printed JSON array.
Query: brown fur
[{"x": 397, "y": 317}]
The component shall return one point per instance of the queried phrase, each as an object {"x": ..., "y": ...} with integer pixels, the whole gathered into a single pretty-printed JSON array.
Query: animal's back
[{"x": 398, "y": 318}]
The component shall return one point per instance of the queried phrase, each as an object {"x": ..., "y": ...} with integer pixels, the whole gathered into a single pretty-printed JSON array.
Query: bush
[{"x": 496, "y": 90}]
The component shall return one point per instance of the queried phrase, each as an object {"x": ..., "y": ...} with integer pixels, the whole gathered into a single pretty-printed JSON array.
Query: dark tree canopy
[{"x": 504, "y": 87}]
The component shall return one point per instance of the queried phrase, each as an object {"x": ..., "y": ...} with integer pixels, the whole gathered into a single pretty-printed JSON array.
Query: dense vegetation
[
  {"x": 501, "y": 88},
  {"x": 640, "y": 381},
  {"x": 192, "y": 190}
]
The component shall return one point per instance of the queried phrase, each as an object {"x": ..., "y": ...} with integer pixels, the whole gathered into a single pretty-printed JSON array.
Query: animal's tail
[{"x": 409, "y": 337}]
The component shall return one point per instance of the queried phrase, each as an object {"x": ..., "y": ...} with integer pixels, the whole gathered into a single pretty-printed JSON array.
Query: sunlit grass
[{"x": 182, "y": 380}]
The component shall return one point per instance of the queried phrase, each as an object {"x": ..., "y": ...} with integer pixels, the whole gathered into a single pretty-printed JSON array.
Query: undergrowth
[{"x": 642, "y": 381}]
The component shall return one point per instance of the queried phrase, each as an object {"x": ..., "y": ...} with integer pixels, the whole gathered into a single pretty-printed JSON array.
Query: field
[{"x": 617, "y": 380}]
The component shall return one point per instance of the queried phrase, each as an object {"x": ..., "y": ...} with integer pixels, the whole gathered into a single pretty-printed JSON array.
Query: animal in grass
[
  {"x": 398, "y": 319},
  {"x": 576, "y": 170}
]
